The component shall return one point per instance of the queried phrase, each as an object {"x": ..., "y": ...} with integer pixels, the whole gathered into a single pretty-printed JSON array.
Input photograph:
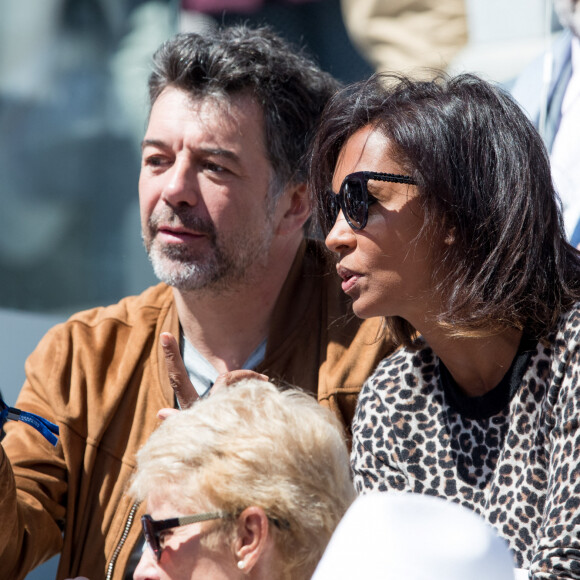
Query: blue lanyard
[{"x": 47, "y": 429}]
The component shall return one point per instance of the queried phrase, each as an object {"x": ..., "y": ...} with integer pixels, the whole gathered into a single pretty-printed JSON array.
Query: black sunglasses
[
  {"x": 152, "y": 529},
  {"x": 354, "y": 198}
]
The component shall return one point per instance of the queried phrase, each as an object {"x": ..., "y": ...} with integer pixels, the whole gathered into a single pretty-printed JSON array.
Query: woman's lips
[{"x": 349, "y": 278}]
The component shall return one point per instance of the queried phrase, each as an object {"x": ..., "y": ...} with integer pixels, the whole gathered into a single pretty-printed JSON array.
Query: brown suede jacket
[{"x": 101, "y": 377}]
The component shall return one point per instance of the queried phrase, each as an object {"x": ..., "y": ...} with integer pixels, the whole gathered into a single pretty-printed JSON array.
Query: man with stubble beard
[{"x": 223, "y": 206}]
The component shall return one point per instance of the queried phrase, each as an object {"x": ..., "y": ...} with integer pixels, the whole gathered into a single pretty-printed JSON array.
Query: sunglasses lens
[
  {"x": 150, "y": 536},
  {"x": 355, "y": 203}
]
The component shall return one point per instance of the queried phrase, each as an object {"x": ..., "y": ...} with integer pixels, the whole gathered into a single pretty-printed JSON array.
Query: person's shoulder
[
  {"x": 564, "y": 339},
  {"x": 129, "y": 310},
  {"x": 121, "y": 328},
  {"x": 404, "y": 361},
  {"x": 569, "y": 324}
]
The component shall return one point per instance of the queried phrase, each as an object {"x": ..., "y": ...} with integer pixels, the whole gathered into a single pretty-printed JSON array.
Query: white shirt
[{"x": 203, "y": 374}]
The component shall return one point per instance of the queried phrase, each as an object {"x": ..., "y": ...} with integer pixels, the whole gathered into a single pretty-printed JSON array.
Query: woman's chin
[{"x": 364, "y": 311}]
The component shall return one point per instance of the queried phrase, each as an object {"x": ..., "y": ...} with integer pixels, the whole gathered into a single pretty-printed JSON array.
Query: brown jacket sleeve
[{"x": 32, "y": 488}]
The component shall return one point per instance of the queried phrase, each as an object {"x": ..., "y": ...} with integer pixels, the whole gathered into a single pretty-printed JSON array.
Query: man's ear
[
  {"x": 253, "y": 540},
  {"x": 293, "y": 209}
]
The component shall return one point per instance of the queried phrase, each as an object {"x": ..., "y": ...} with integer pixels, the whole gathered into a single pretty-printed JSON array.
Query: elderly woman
[
  {"x": 439, "y": 205},
  {"x": 249, "y": 483}
]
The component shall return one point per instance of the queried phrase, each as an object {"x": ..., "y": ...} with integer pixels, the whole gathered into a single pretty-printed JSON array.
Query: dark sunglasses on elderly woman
[
  {"x": 354, "y": 198},
  {"x": 153, "y": 529}
]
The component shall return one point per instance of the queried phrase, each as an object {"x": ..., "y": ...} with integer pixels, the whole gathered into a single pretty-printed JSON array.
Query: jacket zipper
[{"x": 122, "y": 540}]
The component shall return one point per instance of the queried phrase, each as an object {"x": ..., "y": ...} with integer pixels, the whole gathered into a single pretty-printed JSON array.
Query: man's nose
[{"x": 182, "y": 186}]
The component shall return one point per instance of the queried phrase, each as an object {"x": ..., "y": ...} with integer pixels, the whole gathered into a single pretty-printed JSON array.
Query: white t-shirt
[{"x": 203, "y": 374}]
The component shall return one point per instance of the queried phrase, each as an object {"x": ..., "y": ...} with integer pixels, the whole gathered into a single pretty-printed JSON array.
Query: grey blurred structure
[{"x": 72, "y": 112}]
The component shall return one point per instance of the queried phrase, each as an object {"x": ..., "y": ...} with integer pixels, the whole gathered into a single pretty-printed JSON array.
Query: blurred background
[{"x": 73, "y": 108}]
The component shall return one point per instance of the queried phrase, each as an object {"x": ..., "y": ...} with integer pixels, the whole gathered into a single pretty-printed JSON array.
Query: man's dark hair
[
  {"x": 290, "y": 88},
  {"x": 485, "y": 185}
]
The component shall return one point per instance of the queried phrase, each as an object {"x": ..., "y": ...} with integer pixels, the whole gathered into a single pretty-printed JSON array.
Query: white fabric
[
  {"x": 565, "y": 155},
  {"x": 405, "y": 536},
  {"x": 201, "y": 372}
]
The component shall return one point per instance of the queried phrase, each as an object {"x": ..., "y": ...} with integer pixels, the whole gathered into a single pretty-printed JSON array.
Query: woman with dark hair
[{"x": 444, "y": 219}]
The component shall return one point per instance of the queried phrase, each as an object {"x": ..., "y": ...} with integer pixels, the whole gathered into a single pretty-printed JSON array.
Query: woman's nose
[
  {"x": 341, "y": 237},
  {"x": 147, "y": 567}
]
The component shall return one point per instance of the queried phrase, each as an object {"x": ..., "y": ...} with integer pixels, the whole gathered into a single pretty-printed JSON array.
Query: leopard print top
[{"x": 516, "y": 462}]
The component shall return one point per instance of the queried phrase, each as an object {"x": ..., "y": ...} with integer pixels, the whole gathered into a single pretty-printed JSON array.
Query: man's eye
[
  {"x": 153, "y": 160},
  {"x": 214, "y": 167}
]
